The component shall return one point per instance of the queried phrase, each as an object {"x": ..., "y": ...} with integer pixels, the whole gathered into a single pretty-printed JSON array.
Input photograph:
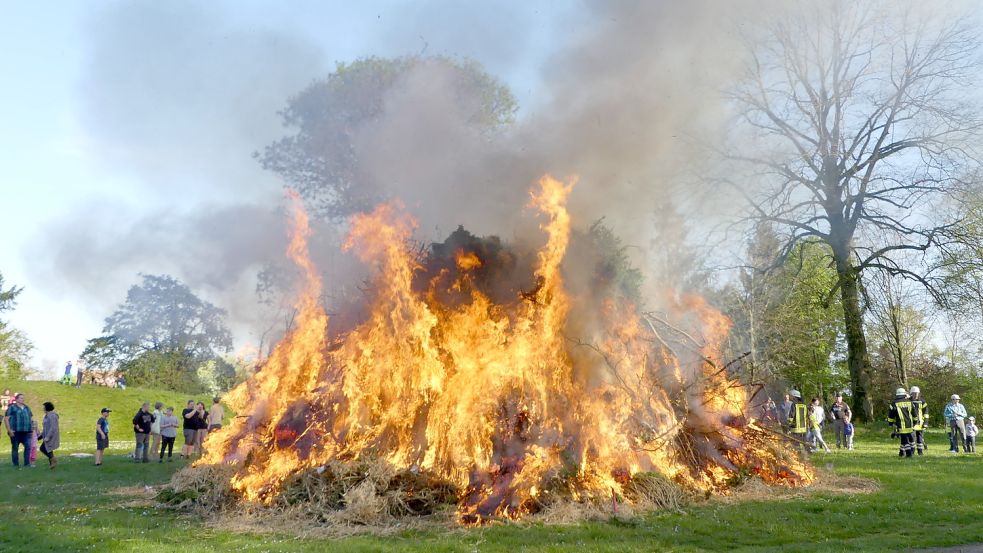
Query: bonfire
[{"x": 503, "y": 403}]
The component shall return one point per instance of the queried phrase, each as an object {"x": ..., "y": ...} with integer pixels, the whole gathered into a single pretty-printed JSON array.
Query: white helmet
[
  {"x": 954, "y": 397},
  {"x": 900, "y": 392},
  {"x": 795, "y": 393},
  {"x": 916, "y": 390}
]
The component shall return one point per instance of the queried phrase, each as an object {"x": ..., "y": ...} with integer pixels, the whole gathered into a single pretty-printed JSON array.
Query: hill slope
[{"x": 79, "y": 408}]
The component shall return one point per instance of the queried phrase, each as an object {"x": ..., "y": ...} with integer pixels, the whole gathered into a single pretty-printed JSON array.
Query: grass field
[{"x": 930, "y": 501}]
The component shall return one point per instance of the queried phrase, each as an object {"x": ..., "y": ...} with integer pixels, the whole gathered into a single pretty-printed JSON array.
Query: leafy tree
[
  {"x": 162, "y": 326},
  {"x": 15, "y": 347},
  {"x": 859, "y": 120},
  {"x": 321, "y": 159},
  {"x": 784, "y": 319}
]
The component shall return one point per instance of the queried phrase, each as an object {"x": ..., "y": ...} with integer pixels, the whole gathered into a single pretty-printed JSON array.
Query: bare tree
[
  {"x": 897, "y": 322},
  {"x": 860, "y": 131}
]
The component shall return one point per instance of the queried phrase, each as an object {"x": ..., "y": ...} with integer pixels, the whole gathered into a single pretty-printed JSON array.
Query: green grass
[{"x": 929, "y": 501}]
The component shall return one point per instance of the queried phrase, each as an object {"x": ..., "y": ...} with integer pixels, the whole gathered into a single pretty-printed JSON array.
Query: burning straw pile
[{"x": 481, "y": 385}]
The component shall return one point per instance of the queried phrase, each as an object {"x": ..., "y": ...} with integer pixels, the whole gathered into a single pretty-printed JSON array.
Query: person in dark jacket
[
  {"x": 142, "y": 423},
  {"x": 798, "y": 417},
  {"x": 901, "y": 415},
  {"x": 841, "y": 412},
  {"x": 921, "y": 419}
]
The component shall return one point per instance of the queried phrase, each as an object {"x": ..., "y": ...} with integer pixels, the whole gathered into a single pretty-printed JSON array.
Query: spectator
[
  {"x": 168, "y": 431},
  {"x": 32, "y": 444},
  {"x": 142, "y": 423},
  {"x": 971, "y": 432},
  {"x": 785, "y": 412},
  {"x": 5, "y": 400},
  {"x": 840, "y": 410},
  {"x": 50, "y": 434},
  {"x": 155, "y": 428},
  {"x": 848, "y": 430},
  {"x": 215, "y": 415},
  {"x": 121, "y": 382},
  {"x": 201, "y": 427},
  {"x": 17, "y": 419},
  {"x": 955, "y": 416},
  {"x": 67, "y": 378},
  {"x": 102, "y": 434},
  {"x": 817, "y": 415},
  {"x": 78, "y": 375},
  {"x": 189, "y": 427}
]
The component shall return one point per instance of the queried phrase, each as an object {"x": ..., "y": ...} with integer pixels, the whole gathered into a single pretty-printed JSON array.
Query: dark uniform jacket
[
  {"x": 901, "y": 414},
  {"x": 142, "y": 422}
]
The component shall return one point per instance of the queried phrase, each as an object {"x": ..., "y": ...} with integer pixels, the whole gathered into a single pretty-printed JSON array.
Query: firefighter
[
  {"x": 798, "y": 417},
  {"x": 901, "y": 414},
  {"x": 921, "y": 419}
]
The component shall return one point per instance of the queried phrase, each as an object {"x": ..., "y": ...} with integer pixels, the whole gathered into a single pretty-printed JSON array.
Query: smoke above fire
[{"x": 177, "y": 97}]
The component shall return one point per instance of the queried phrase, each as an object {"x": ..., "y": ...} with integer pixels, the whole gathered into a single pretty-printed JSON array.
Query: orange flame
[{"x": 494, "y": 397}]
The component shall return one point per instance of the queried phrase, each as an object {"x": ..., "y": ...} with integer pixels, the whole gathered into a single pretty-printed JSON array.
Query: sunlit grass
[{"x": 929, "y": 501}]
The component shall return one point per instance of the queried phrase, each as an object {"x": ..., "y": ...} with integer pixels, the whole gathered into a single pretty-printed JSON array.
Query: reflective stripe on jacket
[{"x": 901, "y": 415}]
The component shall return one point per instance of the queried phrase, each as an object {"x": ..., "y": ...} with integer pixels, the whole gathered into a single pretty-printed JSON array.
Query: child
[
  {"x": 848, "y": 430},
  {"x": 102, "y": 434},
  {"x": 32, "y": 448},
  {"x": 971, "y": 431}
]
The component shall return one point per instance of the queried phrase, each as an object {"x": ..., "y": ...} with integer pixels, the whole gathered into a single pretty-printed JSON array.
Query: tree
[
  {"x": 321, "y": 158},
  {"x": 161, "y": 328},
  {"x": 783, "y": 319},
  {"x": 864, "y": 126},
  {"x": 897, "y": 325},
  {"x": 15, "y": 346}
]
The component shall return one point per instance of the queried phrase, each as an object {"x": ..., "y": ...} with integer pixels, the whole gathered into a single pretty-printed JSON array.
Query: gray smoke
[{"x": 178, "y": 95}]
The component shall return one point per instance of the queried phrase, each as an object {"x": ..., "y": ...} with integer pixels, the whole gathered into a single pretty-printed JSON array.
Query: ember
[{"x": 509, "y": 400}]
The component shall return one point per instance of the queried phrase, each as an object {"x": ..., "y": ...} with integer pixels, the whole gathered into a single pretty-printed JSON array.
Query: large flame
[{"x": 495, "y": 397}]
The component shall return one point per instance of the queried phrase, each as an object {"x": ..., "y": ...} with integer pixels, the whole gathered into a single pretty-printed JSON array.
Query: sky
[{"x": 126, "y": 117}]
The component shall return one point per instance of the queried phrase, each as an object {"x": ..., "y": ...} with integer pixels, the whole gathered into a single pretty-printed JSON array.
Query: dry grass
[{"x": 345, "y": 499}]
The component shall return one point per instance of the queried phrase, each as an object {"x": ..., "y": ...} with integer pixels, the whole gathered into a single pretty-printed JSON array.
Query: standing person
[
  {"x": 50, "y": 434},
  {"x": 921, "y": 419},
  {"x": 848, "y": 430},
  {"x": 142, "y": 423},
  {"x": 798, "y": 417},
  {"x": 840, "y": 411},
  {"x": 155, "y": 428},
  {"x": 18, "y": 419},
  {"x": 955, "y": 416},
  {"x": 785, "y": 412},
  {"x": 215, "y": 415},
  {"x": 971, "y": 433},
  {"x": 817, "y": 415},
  {"x": 79, "y": 372},
  {"x": 5, "y": 399},
  {"x": 201, "y": 427},
  {"x": 32, "y": 446},
  {"x": 168, "y": 431},
  {"x": 189, "y": 427},
  {"x": 901, "y": 414},
  {"x": 66, "y": 379},
  {"x": 102, "y": 434}
]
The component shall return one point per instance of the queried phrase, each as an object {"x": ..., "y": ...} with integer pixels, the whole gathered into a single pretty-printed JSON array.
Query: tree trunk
[{"x": 858, "y": 360}]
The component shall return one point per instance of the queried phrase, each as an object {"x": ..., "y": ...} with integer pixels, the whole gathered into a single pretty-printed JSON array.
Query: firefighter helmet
[
  {"x": 900, "y": 392},
  {"x": 916, "y": 390},
  {"x": 795, "y": 393}
]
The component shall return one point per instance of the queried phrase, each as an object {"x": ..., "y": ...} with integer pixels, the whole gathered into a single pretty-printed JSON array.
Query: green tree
[
  {"x": 783, "y": 317},
  {"x": 320, "y": 157},
  {"x": 160, "y": 335},
  {"x": 15, "y": 346}
]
